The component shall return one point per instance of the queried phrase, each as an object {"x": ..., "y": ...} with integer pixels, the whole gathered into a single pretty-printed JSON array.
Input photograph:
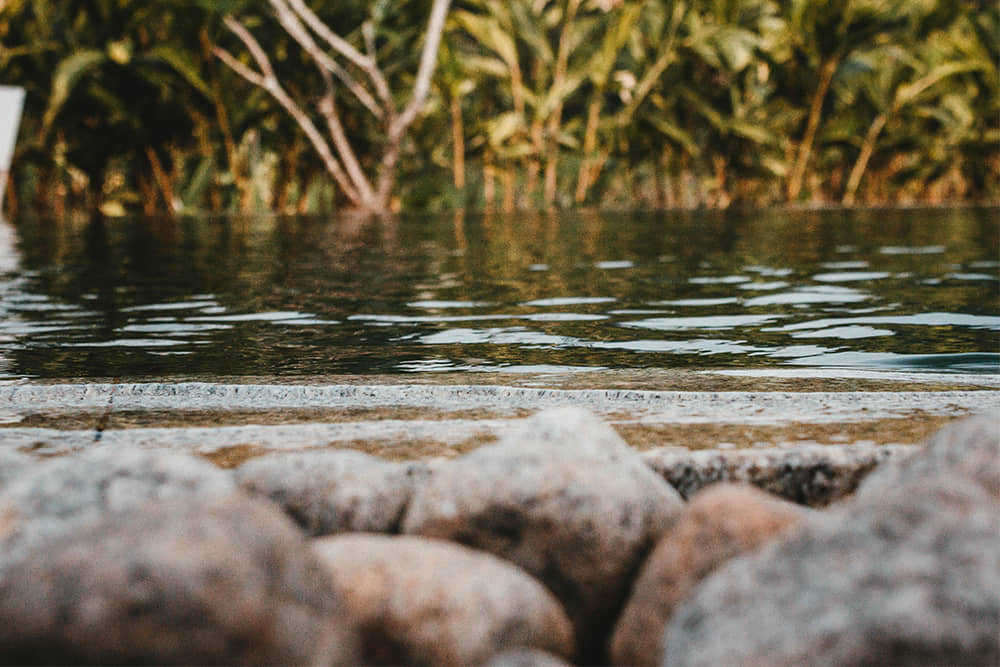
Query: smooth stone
[
  {"x": 813, "y": 475},
  {"x": 911, "y": 579},
  {"x": 181, "y": 581},
  {"x": 52, "y": 497},
  {"x": 12, "y": 464},
  {"x": 335, "y": 491},
  {"x": 718, "y": 524},
  {"x": 968, "y": 447},
  {"x": 427, "y": 602},
  {"x": 565, "y": 498}
]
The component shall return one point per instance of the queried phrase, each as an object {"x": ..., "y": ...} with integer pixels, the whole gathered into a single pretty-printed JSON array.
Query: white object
[{"x": 11, "y": 104}]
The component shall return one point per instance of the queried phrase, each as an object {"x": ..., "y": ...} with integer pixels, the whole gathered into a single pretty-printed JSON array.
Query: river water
[{"x": 198, "y": 298}]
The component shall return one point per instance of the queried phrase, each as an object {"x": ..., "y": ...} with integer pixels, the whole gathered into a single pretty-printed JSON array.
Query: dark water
[{"x": 900, "y": 290}]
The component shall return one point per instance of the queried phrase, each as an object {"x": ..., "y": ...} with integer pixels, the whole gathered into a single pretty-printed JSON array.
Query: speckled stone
[
  {"x": 52, "y": 497},
  {"x": 813, "y": 475},
  {"x": 968, "y": 448},
  {"x": 913, "y": 578}
]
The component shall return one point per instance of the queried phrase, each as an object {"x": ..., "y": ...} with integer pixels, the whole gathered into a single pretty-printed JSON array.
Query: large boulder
[
  {"x": 913, "y": 578},
  {"x": 563, "y": 497},
  {"x": 53, "y": 497},
  {"x": 718, "y": 524},
  {"x": 968, "y": 447},
  {"x": 334, "y": 491},
  {"x": 183, "y": 581},
  {"x": 426, "y": 602}
]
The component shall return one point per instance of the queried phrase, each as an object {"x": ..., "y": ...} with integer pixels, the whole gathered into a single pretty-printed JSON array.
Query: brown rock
[
  {"x": 181, "y": 581},
  {"x": 426, "y": 602},
  {"x": 563, "y": 497},
  {"x": 720, "y": 523}
]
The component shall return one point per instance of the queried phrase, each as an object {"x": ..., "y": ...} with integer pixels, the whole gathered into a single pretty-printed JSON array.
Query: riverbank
[{"x": 556, "y": 544}]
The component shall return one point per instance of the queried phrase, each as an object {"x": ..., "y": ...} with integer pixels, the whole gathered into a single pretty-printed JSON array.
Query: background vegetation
[{"x": 534, "y": 103}]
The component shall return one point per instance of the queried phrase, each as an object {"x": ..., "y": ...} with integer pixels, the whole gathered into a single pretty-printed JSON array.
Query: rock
[
  {"x": 970, "y": 447},
  {"x": 813, "y": 475},
  {"x": 911, "y": 579},
  {"x": 12, "y": 463},
  {"x": 194, "y": 581},
  {"x": 526, "y": 657},
  {"x": 719, "y": 523},
  {"x": 563, "y": 497},
  {"x": 52, "y": 497},
  {"x": 334, "y": 491},
  {"x": 426, "y": 602}
]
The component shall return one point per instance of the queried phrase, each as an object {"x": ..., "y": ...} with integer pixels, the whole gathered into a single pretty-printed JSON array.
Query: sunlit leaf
[{"x": 68, "y": 74}]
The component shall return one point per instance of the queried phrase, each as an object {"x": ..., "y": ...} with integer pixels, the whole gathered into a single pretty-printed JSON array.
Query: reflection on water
[{"x": 899, "y": 290}]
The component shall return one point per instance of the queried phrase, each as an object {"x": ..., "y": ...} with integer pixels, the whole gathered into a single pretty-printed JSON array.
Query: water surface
[{"x": 897, "y": 290}]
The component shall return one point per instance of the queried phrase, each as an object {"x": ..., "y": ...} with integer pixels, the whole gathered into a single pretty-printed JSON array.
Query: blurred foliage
[{"x": 536, "y": 103}]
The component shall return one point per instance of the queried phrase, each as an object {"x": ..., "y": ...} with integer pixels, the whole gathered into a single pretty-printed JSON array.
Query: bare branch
[
  {"x": 344, "y": 48},
  {"x": 238, "y": 67},
  {"x": 290, "y": 21},
  {"x": 237, "y": 28},
  {"x": 428, "y": 60},
  {"x": 267, "y": 80}
]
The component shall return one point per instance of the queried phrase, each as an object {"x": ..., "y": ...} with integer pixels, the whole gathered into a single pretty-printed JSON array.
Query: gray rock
[
  {"x": 565, "y": 498},
  {"x": 970, "y": 447},
  {"x": 912, "y": 579},
  {"x": 813, "y": 475},
  {"x": 182, "y": 581},
  {"x": 718, "y": 524},
  {"x": 52, "y": 497},
  {"x": 427, "y": 602},
  {"x": 335, "y": 491},
  {"x": 12, "y": 464}
]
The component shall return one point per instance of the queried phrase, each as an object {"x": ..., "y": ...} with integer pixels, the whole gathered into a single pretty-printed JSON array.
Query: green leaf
[
  {"x": 180, "y": 62},
  {"x": 488, "y": 33},
  {"x": 68, "y": 74},
  {"x": 682, "y": 138},
  {"x": 198, "y": 184},
  {"x": 503, "y": 127},
  {"x": 558, "y": 94},
  {"x": 910, "y": 92}
]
